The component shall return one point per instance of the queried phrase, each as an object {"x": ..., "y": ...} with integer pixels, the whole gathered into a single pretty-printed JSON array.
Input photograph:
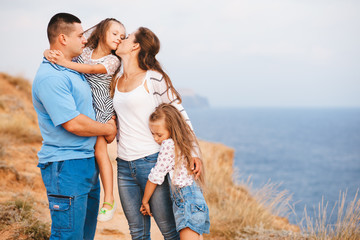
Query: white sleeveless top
[{"x": 133, "y": 110}]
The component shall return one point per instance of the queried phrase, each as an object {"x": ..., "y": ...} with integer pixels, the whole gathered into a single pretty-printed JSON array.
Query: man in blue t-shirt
[{"x": 63, "y": 102}]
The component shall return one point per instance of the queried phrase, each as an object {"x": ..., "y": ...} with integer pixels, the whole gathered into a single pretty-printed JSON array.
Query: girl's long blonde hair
[{"x": 184, "y": 138}]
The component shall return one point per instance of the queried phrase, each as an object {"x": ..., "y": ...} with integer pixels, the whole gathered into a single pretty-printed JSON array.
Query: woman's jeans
[
  {"x": 73, "y": 192},
  {"x": 132, "y": 178}
]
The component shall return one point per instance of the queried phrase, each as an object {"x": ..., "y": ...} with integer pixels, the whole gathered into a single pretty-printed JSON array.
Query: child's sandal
[{"x": 107, "y": 214}]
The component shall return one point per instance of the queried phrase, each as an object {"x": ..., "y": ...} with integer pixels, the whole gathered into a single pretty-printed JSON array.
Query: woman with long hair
[{"x": 137, "y": 91}]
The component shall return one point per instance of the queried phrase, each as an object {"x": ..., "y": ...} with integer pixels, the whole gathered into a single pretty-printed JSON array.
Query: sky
[{"x": 236, "y": 53}]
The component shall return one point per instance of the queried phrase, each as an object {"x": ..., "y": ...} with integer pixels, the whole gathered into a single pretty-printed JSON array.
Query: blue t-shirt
[{"x": 60, "y": 94}]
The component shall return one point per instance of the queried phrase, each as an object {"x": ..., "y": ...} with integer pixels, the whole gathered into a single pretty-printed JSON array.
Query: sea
[{"x": 312, "y": 153}]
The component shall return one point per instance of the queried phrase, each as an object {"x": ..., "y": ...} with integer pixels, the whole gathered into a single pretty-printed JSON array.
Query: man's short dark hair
[{"x": 61, "y": 23}]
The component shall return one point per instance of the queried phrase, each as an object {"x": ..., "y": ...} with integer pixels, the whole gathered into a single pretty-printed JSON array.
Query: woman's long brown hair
[
  {"x": 149, "y": 47},
  {"x": 182, "y": 135}
]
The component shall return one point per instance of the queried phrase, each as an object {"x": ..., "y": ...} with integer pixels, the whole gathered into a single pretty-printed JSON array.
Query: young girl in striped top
[
  {"x": 177, "y": 141},
  {"x": 99, "y": 64}
]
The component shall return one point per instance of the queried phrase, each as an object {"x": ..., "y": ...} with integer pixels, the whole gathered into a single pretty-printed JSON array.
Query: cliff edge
[{"x": 234, "y": 212}]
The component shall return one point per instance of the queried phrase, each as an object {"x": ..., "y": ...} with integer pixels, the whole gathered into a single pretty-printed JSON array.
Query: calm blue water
[{"x": 313, "y": 153}]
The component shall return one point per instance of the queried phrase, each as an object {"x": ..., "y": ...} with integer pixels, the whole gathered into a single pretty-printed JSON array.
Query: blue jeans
[
  {"x": 73, "y": 192},
  {"x": 132, "y": 178}
]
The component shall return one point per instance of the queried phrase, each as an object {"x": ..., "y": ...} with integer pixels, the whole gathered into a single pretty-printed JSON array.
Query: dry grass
[
  {"x": 17, "y": 221},
  {"x": 233, "y": 209},
  {"x": 2, "y": 105},
  {"x": 347, "y": 226},
  {"x": 2, "y": 148},
  {"x": 19, "y": 83},
  {"x": 17, "y": 116},
  {"x": 19, "y": 128},
  {"x": 235, "y": 213}
]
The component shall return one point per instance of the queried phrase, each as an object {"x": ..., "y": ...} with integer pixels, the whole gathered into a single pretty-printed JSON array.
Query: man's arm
[{"x": 84, "y": 126}]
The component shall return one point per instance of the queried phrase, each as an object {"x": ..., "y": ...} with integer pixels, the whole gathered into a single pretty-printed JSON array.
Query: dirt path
[{"x": 117, "y": 228}]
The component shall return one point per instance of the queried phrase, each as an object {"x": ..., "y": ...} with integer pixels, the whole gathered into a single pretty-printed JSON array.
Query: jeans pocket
[
  {"x": 199, "y": 214},
  {"x": 61, "y": 212}
]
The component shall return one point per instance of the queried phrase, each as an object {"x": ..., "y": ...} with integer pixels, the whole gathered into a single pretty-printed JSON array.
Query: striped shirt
[{"x": 100, "y": 83}]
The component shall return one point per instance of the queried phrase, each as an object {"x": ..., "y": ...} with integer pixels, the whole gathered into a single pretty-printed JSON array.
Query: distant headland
[{"x": 192, "y": 100}]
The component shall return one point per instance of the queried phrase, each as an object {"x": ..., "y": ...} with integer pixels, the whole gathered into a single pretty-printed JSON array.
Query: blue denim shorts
[{"x": 190, "y": 209}]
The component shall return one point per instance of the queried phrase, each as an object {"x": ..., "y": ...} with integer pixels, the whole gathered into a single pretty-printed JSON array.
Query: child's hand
[
  {"x": 58, "y": 57},
  {"x": 50, "y": 55},
  {"x": 47, "y": 55},
  {"x": 55, "y": 56},
  {"x": 145, "y": 209},
  {"x": 111, "y": 135},
  {"x": 196, "y": 165}
]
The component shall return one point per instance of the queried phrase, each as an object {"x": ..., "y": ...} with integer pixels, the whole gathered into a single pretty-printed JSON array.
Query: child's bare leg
[
  {"x": 106, "y": 171},
  {"x": 188, "y": 234}
]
